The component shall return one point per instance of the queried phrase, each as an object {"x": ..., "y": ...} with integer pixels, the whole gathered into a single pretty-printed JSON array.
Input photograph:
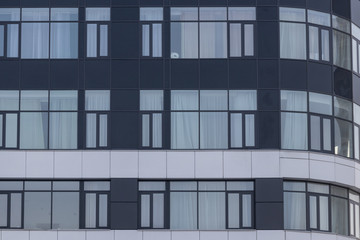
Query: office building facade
[{"x": 179, "y": 119}]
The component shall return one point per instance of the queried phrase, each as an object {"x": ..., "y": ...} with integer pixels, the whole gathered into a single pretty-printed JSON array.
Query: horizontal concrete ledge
[{"x": 216, "y": 164}]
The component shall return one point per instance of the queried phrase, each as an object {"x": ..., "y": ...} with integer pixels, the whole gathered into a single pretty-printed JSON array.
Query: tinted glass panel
[
  {"x": 37, "y": 206},
  {"x": 64, "y": 14},
  {"x": 9, "y": 14},
  {"x": 97, "y": 14}
]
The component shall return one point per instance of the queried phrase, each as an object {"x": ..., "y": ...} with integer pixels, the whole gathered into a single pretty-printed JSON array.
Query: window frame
[
  {"x": 320, "y": 28},
  {"x": 98, "y": 39},
  {"x": 98, "y": 114},
  {"x": 322, "y": 118},
  {"x": 243, "y": 116},
  {"x": 151, "y": 129},
  {"x": 243, "y": 45}
]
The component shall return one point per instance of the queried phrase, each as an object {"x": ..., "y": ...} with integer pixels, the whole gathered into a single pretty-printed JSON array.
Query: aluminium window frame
[
  {"x": 98, "y": 39},
  {"x": 320, "y": 28},
  {"x": 322, "y": 118},
  {"x": 243, "y": 24},
  {"x": 151, "y": 129},
  {"x": 5, "y": 47},
  {"x": 243, "y": 116}
]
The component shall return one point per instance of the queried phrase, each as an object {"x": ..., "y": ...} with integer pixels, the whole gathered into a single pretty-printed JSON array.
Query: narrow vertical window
[
  {"x": 146, "y": 40},
  {"x": 313, "y": 43},
  {"x": 103, "y": 40},
  {"x": 2, "y": 40},
  {"x": 13, "y": 40},
  {"x": 235, "y": 40},
  {"x": 91, "y": 40},
  {"x": 151, "y": 31},
  {"x": 249, "y": 39}
]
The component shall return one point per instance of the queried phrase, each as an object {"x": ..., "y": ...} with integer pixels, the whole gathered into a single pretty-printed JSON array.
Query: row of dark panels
[{"x": 180, "y": 74}]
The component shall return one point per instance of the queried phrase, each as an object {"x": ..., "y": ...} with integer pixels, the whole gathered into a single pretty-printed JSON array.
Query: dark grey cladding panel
[
  {"x": 269, "y": 216},
  {"x": 268, "y": 190},
  {"x": 267, "y": 2},
  {"x": 319, "y": 5},
  {"x": 124, "y": 189},
  {"x": 293, "y": 75},
  {"x": 341, "y": 8},
  {"x": 319, "y": 78},
  {"x": 356, "y": 87},
  {"x": 355, "y": 11},
  {"x": 293, "y": 3},
  {"x": 123, "y": 216}
]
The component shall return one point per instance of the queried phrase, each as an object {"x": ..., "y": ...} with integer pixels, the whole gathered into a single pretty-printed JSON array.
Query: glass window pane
[
  {"x": 213, "y": 100},
  {"x": 9, "y": 14},
  {"x": 11, "y": 185},
  {"x": 352, "y": 220},
  {"x": 341, "y": 49},
  {"x": 183, "y": 210},
  {"x": 65, "y": 210},
  {"x": 184, "y": 100},
  {"x": 211, "y": 210},
  {"x": 91, "y": 130},
  {"x": 213, "y": 40},
  {"x": 211, "y": 186},
  {"x": 103, "y": 130},
  {"x": 103, "y": 210},
  {"x": 35, "y": 14},
  {"x": 3, "y": 210},
  {"x": 146, "y": 40},
  {"x": 151, "y": 186},
  {"x": 314, "y": 43},
  {"x": 246, "y": 210},
  {"x": 37, "y": 185},
  {"x": 151, "y": 14},
  {"x": 157, "y": 130},
  {"x": 355, "y": 30},
  {"x": 64, "y": 40},
  {"x": 343, "y": 138},
  {"x": 325, "y": 45},
  {"x": 185, "y": 130},
  {"x": 145, "y": 130},
  {"x": 90, "y": 210},
  {"x": 11, "y": 130},
  {"x": 250, "y": 130},
  {"x": 157, "y": 40},
  {"x": 63, "y": 100},
  {"x": 97, "y": 100},
  {"x": 356, "y": 113},
  {"x": 63, "y": 130},
  {"x": 152, "y": 100},
  {"x": 103, "y": 40},
  {"x": 242, "y": 100},
  {"x": 91, "y": 44},
  {"x": 339, "y": 191},
  {"x": 12, "y": 41},
  {"x": 327, "y": 130},
  {"x": 34, "y": 130},
  {"x": 233, "y": 210},
  {"x": 213, "y": 13},
  {"x": 319, "y": 18},
  {"x": 66, "y": 185},
  {"x": 184, "y": 40},
  {"x": 96, "y": 186},
  {"x": 320, "y": 103},
  {"x": 293, "y": 100},
  {"x": 184, "y": 13},
  {"x": 294, "y": 186},
  {"x": 292, "y": 14},
  {"x": 242, "y": 13},
  {"x": 235, "y": 40},
  {"x": 318, "y": 188},
  {"x": 64, "y": 14},
  {"x": 340, "y": 24},
  {"x": 249, "y": 39},
  {"x": 357, "y": 221},
  {"x": 98, "y": 14},
  {"x": 342, "y": 108},
  {"x": 158, "y": 210},
  {"x": 236, "y": 130},
  {"x": 354, "y": 196},
  {"x": 356, "y": 142},
  {"x": 315, "y": 132},
  {"x": 239, "y": 186},
  {"x": 9, "y": 100},
  {"x": 37, "y": 210},
  {"x": 294, "y": 124},
  {"x": 34, "y": 100},
  {"x": 145, "y": 210},
  {"x": 15, "y": 210},
  {"x": 213, "y": 130},
  {"x": 292, "y": 40},
  {"x": 2, "y": 40},
  {"x": 34, "y": 40},
  {"x": 183, "y": 186},
  {"x": 313, "y": 212},
  {"x": 295, "y": 211},
  {"x": 324, "y": 213},
  {"x": 354, "y": 55},
  {"x": 1, "y": 129}
]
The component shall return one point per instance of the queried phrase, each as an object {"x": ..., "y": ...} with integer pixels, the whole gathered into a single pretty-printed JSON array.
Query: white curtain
[
  {"x": 294, "y": 211},
  {"x": 64, "y": 40},
  {"x": 34, "y": 130},
  {"x": 294, "y": 124},
  {"x": 11, "y": 130},
  {"x": 97, "y": 100},
  {"x": 246, "y": 210},
  {"x": 63, "y": 100},
  {"x": 98, "y": 14},
  {"x": 293, "y": 101},
  {"x": 343, "y": 108},
  {"x": 151, "y": 14},
  {"x": 34, "y": 40},
  {"x": 242, "y": 13},
  {"x": 320, "y": 103},
  {"x": 158, "y": 210},
  {"x": 248, "y": 39},
  {"x": 292, "y": 40},
  {"x": 157, "y": 40},
  {"x": 313, "y": 43},
  {"x": 13, "y": 40},
  {"x": 90, "y": 130},
  {"x": 184, "y": 100},
  {"x": 157, "y": 130},
  {"x": 151, "y": 100},
  {"x": 103, "y": 210},
  {"x": 235, "y": 40},
  {"x": 2, "y": 40},
  {"x": 324, "y": 213},
  {"x": 236, "y": 130},
  {"x": 91, "y": 43},
  {"x": 9, "y": 100},
  {"x": 213, "y": 100},
  {"x": 184, "y": 40},
  {"x": 213, "y": 40},
  {"x": 90, "y": 210},
  {"x": 35, "y": 14},
  {"x": 233, "y": 210},
  {"x": 318, "y": 18},
  {"x": 292, "y": 14},
  {"x": 325, "y": 45},
  {"x": 146, "y": 40},
  {"x": 343, "y": 138},
  {"x": 341, "y": 50},
  {"x": 183, "y": 210},
  {"x": 64, "y": 14},
  {"x": 211, "y": 210},
  {"x": 242, "y": 100},
  {"x": 213, "y": 130},
  {"x": 63, "y": 130},
  {"x": 145, "y": 130},
  {"x": 339, "y": 216},
  {"x": 250, "y": 130},
  {"x": 103, "y": 40},
  {"x": 184, "y": 130},
  {"x": 184, "y": 14},
  {"x": 103, "y": 130}
]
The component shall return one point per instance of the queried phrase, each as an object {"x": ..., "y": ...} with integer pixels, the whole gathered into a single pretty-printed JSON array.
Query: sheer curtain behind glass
[
  {"x": 294, "y": 124},
  {"x": 64, "y": 40},
  {"x": 183, "y": 210},
  {"x": 34, "y": 40},
  {"x": 292, "y": 40},
  {"x": 294, "y": 211},
  {"x": 211, "y": 210}
]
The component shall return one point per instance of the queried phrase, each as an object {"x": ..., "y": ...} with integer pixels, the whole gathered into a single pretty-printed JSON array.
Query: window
[
  {"x": 341, "y": 50},
  {"x": 97, "y": 32},
  {"x": 151, "y": 28},
  {"x": 343, "y": 138},
  {"x": 151, "y": 105},
  {"x": 356, "y": 48},
  {"x": 342, "y": 108},
  {"x": 320, "y": 103},
  {"x": 339, "y": 210},
  {"x": 318, "y": 207},
  {"x": 319, "y": 44},
  {"x": 320, "y": 133},
  {"x": 294, "y": 206},
  {"x": 9, "y": 44},
  {"x": 97, "y": 106},
  {"x": 9, "y": 107},
  {"x": 354, "y": 214}
]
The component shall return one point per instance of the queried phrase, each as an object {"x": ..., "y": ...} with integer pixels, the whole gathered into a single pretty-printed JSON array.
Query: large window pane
[
  {"x": 343, "y": 138},
  {"x": 213, "y": 130},
  {"x": 34, "y": 130},
  {"x": 34, "y": 100},
  {"x": 64, "y": 14},
  {"x": 340, "y": 24},
  {"x": 34, "y": 40},
  {"x": 242, "y": 100},
  {"x": 9, "y": 100},
  {"x": 183, "y": 210},
  {"x": 64, "y": 40},
  {"x": 184, "y": 100},
  {"x": 294, "y": 211},
  {"x": 320, "y": 103},
  {"x": 294, "y": 124},
  {"x": 292, "y": 14},
  {"x": 37, "y": 210},
  {"x": 65, "y": 210},
  {"x": 152, "y": 100},
  {"x": 9, "y": 14},
  {"x": 293, "y": 101},
  {"x": 184, "y": 13},
  {"x": 213, "y": 100},
  {"x": 63, "y": 130},
  {"x": 35, "y": 14},
  {"x": 341, "y": 49},
  {"x": 342, "y": 108},
  {"x": 213, "y": 40},
  {"x": 64, "y": 100},
  {"x": 319, "y": 18},
  {"x": 97, "y": 14},
  {"x": 184, "y": 130},
  {"x": 97, "y": 100},
  {"x": 292, "y": 40},
  {"x": 184, "y": 40},
  {"x": 151, "y": 14},
  {"x": 211, "y": 210}
]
